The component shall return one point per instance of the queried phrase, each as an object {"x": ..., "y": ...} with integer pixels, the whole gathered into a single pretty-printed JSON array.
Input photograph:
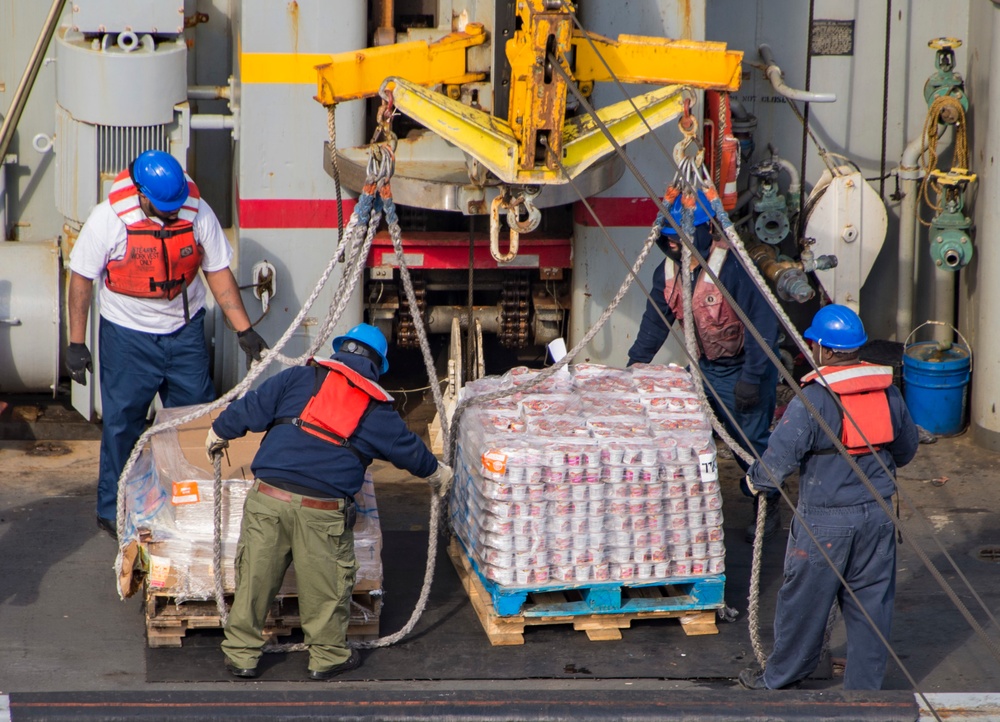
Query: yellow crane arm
[
  {"x": 494, "y": 143},
  {"x": 360, "y": 73},
  {"x": 640, "y": 59}
]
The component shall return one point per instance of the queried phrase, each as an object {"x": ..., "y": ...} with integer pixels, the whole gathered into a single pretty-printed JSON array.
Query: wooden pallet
[
  {"x": 167, "y": 622},
  {"x": 543, "y": 608}
]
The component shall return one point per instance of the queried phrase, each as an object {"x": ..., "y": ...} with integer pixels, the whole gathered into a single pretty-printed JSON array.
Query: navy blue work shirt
[
  {"x": 653, "y": 331},
  {"x": 827, "y": 480},
  {"x": 289, "y": 453}
]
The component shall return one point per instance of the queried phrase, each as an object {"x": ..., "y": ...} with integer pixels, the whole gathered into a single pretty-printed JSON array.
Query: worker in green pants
[{"x": 325, "y": 422}]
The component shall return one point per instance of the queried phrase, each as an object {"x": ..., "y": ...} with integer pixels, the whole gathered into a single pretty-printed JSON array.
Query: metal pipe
[
  {"x": 739, "y": 110},
  {"x": 944, "y": 304},
  {"x": 906, "y": 257},
  {"x": 787, "y": 276},
  {"x": 208, "y": 121},
  {"x": 3, "y": 199},
  {"x": 385, "y": 34},
  {"x": 439, "y": 318},
  {"x": 208, "y": 92},
  {"x": 794, "y": 182},
  {"x": 775, "y": 75},
  {"x": 910, "y": 175},
  {"x": 28, "y": 79},
  {"x": 985, "y": 334}
]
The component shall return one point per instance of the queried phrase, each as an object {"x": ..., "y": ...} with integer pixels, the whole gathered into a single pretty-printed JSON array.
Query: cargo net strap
[
  {"x": 352, "y": 250},
  {"x": 691, "y": 177},
  {"x": 354, "y": 246}
]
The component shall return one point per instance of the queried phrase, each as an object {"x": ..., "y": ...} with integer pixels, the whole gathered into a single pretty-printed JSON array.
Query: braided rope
[
  {"x": 691, "y": 342},
  {"x": 753, "y": 599},
  {"x": 217, "y": 574},
  {"x": 395, "y": 232},
  {"x": 358, "y": 220},
  {"x": 450, "y": 440},
  {"x": 331, "y": 127}
]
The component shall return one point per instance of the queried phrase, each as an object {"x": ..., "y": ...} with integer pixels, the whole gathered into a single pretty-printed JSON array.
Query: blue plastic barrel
[{"x": 935, "y": 382}]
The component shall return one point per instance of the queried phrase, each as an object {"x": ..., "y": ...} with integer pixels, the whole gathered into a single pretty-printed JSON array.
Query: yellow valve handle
[{"x": 944, "y": 43}]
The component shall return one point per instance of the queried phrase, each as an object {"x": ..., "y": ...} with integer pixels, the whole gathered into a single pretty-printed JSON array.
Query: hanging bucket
[{"x": 935, "y": 383}]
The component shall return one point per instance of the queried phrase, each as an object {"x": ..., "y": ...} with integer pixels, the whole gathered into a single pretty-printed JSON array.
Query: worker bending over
[
  {"x": 855, "y": 532},
  {"x": 325, "y": 422},
  {"x": 729, "y": 357}
]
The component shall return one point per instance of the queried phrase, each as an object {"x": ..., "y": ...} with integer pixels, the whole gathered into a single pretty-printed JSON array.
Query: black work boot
[{"x": 773, "y": 522}]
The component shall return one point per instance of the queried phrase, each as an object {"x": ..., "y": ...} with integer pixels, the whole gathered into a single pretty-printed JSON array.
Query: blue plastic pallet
[{"x": 682, "y": 594}]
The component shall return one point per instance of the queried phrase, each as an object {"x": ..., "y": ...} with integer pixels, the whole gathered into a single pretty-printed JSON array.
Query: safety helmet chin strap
[{"x": 362, "y": 349}]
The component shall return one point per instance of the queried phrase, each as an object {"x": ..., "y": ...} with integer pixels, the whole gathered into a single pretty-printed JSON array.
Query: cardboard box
[
  {"x": 171, "y": 504},
  {"x": 236, "y": 460}
]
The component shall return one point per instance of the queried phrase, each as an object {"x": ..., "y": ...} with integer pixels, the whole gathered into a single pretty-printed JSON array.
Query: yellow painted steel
[
  {"x": 359, "y": 74},
  {"x": 492, "y": 141},
  {"x": 484, "y": 137},
  {"x": 537, "y": 92},
  {"x": 524, "y": 149},
  {"x": 584, "y": 143},
  {"x": 640, "y": 59},
  {"x": 282, "y": 68}
]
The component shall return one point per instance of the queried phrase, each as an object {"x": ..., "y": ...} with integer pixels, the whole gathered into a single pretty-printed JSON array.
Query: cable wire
[{"x": 812, "y": 410}]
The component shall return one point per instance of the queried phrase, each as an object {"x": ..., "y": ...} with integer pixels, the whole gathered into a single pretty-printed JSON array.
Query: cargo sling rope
[
  {"x": 375, "y": 199},
  {"x": 358, "y": 238},
  {"x": 722, "y": 219}
]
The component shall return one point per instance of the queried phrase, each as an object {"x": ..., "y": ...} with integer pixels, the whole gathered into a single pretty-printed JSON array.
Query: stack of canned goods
[{"x": 593, "y": 485}]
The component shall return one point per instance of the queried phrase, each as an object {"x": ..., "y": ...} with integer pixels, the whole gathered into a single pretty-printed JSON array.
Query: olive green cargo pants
[{"x": 273, "y": 533}]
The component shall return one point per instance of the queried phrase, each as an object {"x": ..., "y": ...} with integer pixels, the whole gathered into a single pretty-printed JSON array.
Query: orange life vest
[
  {"x": 861, "y": 389},
  {"x": 160, "y": 261},
  {"x": 718, "y": 328},
  {"x": 343, "y": 397}
]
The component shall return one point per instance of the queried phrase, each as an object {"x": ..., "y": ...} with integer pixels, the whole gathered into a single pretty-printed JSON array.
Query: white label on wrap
[{"x": 709, "y": 469}]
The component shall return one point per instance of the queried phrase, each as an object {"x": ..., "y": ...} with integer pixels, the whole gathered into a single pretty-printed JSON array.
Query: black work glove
[
  {"x": 79, "y": 362},
  {"x": 747, "y": 395},
  {"x": 252, "y": 344}
]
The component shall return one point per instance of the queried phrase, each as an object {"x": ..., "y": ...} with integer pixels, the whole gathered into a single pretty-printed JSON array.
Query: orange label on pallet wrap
[
  {"x": 495, "y": 461},
  {"x": 186, "y": 492}
]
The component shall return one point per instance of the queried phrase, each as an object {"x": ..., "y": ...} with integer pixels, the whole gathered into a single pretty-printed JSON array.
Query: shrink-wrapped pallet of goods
[
  {"x": 601, "y": 475},
  {"x": 170, "y": 513}
]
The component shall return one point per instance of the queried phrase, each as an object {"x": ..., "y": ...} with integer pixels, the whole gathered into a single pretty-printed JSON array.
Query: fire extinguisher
[{"x": 722, "y": 148}]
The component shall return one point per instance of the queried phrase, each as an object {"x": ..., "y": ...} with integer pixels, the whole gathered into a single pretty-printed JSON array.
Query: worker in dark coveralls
[
  {"x": 730, "y": 358},
  {"x": 144, "y": 245},
  {"x": 850, "y": 525},
  {"x": 325, "y": 422}
]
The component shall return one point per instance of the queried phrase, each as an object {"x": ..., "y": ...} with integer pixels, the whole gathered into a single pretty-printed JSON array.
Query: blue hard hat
[
  {"x": 703, "y": 213},
  {"x": 160, "y": 178},
  {"x": 366, "y": 340},
  {"x": 837, "y": 327}
]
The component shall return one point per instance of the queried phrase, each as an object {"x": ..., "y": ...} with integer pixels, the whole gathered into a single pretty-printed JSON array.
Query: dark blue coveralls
[
  {"x": 752, "y": 365},
  {"x": 853, "y": 529}
]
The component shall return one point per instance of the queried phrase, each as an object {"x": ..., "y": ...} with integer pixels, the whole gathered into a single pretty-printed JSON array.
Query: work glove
[
  {"x": 440, "y": 480},
  {"x": 79, "y": 362},
  {"x": 747, "y": 395},
  {"x": 748, "y": 483},
  {"x": 252, "y": 344},
  {"x": 214, "y": 444}
]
